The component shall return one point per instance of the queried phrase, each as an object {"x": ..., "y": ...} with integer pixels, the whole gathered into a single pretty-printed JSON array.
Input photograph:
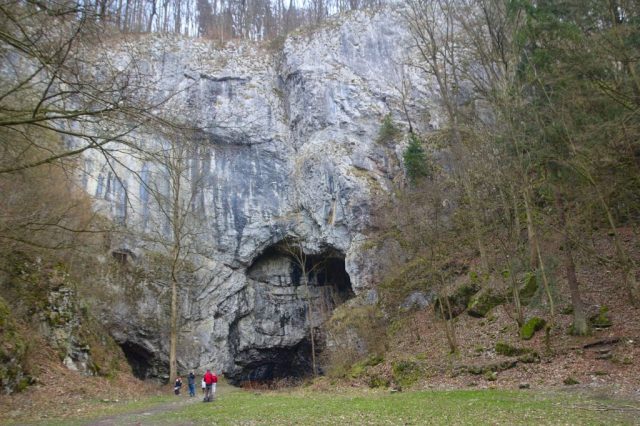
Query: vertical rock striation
[{"x": 287, "y": 150}]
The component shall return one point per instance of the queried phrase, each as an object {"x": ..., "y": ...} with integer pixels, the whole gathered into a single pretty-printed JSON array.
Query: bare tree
[
  {"x": 176, "y": 229},
  {"x": 294, "y": 249},
  {"x": 435, "y": 35},
  {"x": 64, "y": 82}
]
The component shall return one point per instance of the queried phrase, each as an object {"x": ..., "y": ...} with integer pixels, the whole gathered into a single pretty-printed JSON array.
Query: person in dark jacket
[
  {"x": 177, "y": 385},
  {"x": 191, "y": 380}
]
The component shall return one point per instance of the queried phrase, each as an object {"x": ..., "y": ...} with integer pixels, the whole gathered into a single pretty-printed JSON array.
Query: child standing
[{"x": 177, "y": 385}]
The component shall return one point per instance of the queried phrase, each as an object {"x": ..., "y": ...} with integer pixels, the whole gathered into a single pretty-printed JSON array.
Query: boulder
[{"x": 484, "y": 301}]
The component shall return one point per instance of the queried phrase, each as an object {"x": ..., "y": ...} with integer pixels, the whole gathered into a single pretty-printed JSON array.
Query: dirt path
[{"x": 140, "y": 417}]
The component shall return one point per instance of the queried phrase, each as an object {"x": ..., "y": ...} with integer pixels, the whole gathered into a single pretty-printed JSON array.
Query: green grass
[
  {"x": 468, "y": 407},
  {"x": 365, "y": 407}
]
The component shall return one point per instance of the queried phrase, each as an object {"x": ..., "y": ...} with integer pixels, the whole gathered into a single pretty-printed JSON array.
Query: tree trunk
[
  {"x": 516, "y": 221},
  {"x": 153, "y": 15},
  {"x": 448, "y": 327},
  {"x": 173, "y": 333},
  {"x": 477, "y": 226},
  {"x": 305, "y": 280},
  {"x": 517, "y": 304},
  {"x": 580, "y": 324},
  {"x": 126, "y": 17},
  {"x": 175, "y": 259},
  {"x": 547, "y": 286},
  {"x": 531, "y": 231}
]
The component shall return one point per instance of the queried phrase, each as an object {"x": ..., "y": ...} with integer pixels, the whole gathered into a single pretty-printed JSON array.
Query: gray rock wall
[{"x": 288, "y": 148}]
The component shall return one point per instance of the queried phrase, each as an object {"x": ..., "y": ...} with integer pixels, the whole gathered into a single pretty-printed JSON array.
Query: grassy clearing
[
  {"x": 382, "y": 408},
  {"x": 362, "y": 407}
]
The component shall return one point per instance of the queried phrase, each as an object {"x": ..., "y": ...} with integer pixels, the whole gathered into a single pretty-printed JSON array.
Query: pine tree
[{"x": 415, "y": 160}]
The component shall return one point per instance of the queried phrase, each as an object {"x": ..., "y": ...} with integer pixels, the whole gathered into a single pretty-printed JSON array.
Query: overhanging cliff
[{"x": 287, "y": 147}]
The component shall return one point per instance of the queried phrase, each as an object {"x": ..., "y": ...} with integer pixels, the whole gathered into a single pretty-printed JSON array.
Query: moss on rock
[
  {"x": 601, "y": 319},
  {"x": 529, "y": 289},
  {"x": 484, "y": 301},
  {"x": 530, "y": 327},
  {"x": 13, "y": 352},
  {"x": 458, "y": 300},
  {"x": 508, "y": 350}
]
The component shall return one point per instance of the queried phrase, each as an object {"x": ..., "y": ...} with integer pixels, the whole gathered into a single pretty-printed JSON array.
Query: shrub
[
  {"x": 406, "y": 373},
  {"x": 388, "y": 131},
  {"x": 570, "y": 381},
  {"x": 491, "y": 376},
  {"x": 529, "y": 358},
  {"x": 373, "y": 360},
  {"x": 530, "y": 327},
  {"x": 359, "y": 368},
  {"x": 378, "y": 382}
]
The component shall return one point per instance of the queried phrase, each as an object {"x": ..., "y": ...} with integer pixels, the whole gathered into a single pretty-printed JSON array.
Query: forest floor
[{"x": 606, "y": 362}]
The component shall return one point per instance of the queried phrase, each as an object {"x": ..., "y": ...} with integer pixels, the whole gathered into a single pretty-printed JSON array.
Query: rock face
[{"x": 287, "y": 155}]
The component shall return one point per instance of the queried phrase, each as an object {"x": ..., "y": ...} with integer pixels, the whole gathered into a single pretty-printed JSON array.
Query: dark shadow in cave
[
  {"x": 327, "y": 273},
  {"x": 278, "y": 277},
  {"x": 266, "y": 365},
  {"x": 324, "y": 270},
  {"x": 139, "y": 358}
]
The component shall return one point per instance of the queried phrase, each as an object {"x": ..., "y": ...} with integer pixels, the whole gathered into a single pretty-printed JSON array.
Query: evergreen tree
[{"x": 415, "y": 160}]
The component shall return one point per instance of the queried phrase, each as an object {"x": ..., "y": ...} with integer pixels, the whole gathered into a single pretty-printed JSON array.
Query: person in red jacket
[{"x": 210, "y": 380}]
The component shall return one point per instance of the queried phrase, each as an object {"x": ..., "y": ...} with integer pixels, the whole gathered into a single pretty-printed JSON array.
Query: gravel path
[{"x": 141, "y": 416}]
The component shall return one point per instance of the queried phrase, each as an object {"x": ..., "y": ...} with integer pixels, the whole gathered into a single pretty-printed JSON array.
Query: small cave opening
[
  {"x": 295, "y": 295},
  {"x": 140, "y": 360}
]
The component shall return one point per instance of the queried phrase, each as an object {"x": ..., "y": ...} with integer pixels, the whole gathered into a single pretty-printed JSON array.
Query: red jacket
[{"x": 210, "y": 378}]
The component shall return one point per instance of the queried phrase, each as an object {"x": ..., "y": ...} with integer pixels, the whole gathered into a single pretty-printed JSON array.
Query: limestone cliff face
[{"x": 288, "y": 148}]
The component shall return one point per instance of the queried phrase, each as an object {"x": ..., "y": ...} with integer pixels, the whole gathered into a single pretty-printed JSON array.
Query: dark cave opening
[
  {"x": 324, "y": 270},
  {"x": 268, "y": 365},
  {"x": 327, "y": 273},
  {"x": 285, "y": 312},
  {"x": 140, "y": 360}
]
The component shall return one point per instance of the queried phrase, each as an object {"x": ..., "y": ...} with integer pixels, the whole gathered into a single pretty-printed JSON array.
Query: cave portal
[
  {"x": 140, "y": 360},
  {"x": 293, "y": 294}
]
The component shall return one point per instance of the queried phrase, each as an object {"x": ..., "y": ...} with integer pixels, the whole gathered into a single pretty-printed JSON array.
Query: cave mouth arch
[{"x": 294, "y": 293}]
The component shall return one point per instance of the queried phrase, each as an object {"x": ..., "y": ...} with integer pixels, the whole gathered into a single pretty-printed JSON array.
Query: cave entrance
[
  {"x": 264, "y": 366},
  {"x": 294, "y": 295},
  {"x": 140, "y": 360}
]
